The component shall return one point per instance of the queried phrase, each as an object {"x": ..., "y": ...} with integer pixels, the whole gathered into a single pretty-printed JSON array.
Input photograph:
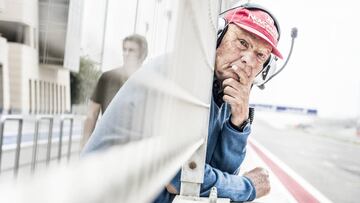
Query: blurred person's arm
[{"x": 90, "y": 121}]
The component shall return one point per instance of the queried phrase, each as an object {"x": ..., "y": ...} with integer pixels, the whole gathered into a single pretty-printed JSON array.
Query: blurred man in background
[{"x": 135, "y": 50}]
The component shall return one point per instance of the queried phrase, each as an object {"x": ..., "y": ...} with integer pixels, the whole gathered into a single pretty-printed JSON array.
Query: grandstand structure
[{"x": 40, "y": 45}]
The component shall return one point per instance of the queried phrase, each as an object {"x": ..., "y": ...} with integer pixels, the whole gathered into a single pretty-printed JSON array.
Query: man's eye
[
  {"x": 261, "y": 56},
  {"x": 244, "y": 43}
]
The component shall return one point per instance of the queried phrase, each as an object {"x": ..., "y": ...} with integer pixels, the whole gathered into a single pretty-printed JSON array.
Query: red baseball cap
[{"x": 256, "y": 22}]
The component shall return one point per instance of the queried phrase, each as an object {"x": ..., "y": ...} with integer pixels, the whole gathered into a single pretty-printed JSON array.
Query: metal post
[
  {"x": 18, "y": 148},
  {"x": 136, "y": 15},
  {"x": 35, "y": 141},
  {"x": 62, "y": 120},
  {"x": 2, "y": 124},
  {"x": 70, "y": 138},
  {"x": 60, "y": 139},
  {"x": 48, "y": 150},
  {"x": 3, "y": 119},
  {"x": 36, "y": 138},
  {"x": 104, "y": 34}
]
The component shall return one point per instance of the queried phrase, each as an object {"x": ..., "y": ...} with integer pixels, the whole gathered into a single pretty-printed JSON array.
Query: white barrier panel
[
  {"x": 158, "y": 119},
  {"x": 129, "y": 173}
]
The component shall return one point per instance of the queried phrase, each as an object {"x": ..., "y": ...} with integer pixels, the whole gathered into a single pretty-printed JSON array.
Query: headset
[{"x": 269, "y": 68}]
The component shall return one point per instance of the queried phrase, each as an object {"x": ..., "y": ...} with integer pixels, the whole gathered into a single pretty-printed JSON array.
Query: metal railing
[
  {"x": 3, "y": 120},
  {"x": 39, "y": 121}
]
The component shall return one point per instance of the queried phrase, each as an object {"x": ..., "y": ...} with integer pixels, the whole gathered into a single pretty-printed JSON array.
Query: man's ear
[{"x": 222, "y": 28}]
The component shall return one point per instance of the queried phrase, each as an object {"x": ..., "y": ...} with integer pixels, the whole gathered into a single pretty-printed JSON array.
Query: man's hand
[
  {"x": 260, "y": 179},
  {"x": 236, "y": 93}
]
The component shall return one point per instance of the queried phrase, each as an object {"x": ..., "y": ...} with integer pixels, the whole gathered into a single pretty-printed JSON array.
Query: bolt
[{"x": 192, "y": 165}]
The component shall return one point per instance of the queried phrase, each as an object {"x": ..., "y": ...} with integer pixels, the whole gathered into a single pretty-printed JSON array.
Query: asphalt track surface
[{"x": 330, "y": 165}]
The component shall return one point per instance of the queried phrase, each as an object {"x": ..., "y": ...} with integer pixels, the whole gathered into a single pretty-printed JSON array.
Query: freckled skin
[{"x": 228, "y": 53}]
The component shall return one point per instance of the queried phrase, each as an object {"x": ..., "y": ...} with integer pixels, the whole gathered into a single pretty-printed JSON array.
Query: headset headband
[{"x": 252, "y": 6}]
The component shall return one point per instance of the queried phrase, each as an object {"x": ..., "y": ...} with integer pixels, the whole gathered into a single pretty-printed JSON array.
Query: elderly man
[
  {"x": 135, "y": 50},
  {"x": 245, "y": 45},
  {"x": 249, "y": 39}
]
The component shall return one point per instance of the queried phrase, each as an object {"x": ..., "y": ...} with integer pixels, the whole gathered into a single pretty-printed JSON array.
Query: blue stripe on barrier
[{"x": 289, "y": 109}]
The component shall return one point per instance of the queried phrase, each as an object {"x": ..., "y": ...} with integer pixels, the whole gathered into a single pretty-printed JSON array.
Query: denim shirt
[{"x": 226, "y": 149}]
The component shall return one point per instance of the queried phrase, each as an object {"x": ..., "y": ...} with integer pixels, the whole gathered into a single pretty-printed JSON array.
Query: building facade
[{"x": 39, "y": 46}]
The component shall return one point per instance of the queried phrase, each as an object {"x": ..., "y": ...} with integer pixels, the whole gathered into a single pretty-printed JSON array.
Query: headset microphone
[{"x": 294, "y": 33}]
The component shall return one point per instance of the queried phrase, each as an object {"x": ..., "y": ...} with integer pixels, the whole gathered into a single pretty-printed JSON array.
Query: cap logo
[{"x": 267, "y": 24}]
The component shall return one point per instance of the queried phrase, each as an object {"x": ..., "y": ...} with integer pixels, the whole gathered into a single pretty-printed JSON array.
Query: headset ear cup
[
  {"x": 222, "y": 28},
  {"x": 266, "y": 67},
  {"x": 268, "y": 70}
]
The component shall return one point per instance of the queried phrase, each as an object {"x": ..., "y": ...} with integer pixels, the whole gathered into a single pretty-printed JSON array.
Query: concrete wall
[
  {"x": 36, "y": 89},
  {"x": 73, "y": 36},
  {"x": 31, "y": 87},
  {"x": 24, "y": 11},
  {"x": 55, "y": 89},
  {"x": 4, "y": 85},
  {"x": 23, "y": 64}
]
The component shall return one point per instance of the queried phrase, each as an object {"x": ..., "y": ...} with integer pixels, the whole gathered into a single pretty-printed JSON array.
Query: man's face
[
  {"x": 242, "y": 49},
  {"x": 131, "y": 52}
]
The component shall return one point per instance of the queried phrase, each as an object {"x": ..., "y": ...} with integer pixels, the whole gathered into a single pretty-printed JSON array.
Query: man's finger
[
  {"x": 241, "y": 89},
  {"x": 244, "y": 78},
  {"x": 232, "y": 83},
  {"x": 229, "y": 90}
]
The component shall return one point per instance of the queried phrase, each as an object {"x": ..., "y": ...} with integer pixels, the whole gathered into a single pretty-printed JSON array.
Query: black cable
[{"x": 251, "y": 114}]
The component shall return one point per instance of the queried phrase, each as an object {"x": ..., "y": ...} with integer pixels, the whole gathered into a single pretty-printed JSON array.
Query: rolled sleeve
[{"x": 234, "y": 187}]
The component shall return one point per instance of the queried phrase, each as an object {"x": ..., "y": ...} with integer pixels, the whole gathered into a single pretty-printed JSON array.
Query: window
[
  {"x": 53, "y": 15},
  {"x": 15, "y": 32}
]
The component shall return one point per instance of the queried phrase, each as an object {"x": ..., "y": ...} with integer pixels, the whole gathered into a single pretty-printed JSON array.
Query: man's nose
[
  {"x": 246, "y": 63},
  {"x": 245, "y": 57}
]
